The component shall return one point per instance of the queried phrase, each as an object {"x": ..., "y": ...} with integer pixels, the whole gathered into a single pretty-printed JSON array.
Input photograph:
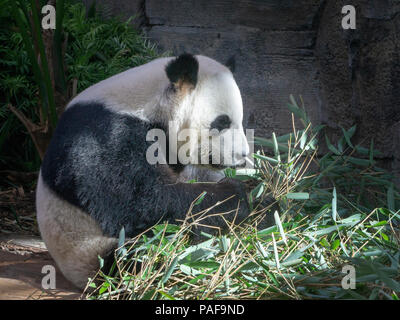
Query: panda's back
[
  {"x": 131, "y": 90},
  {"x": 139, "y": 88}
]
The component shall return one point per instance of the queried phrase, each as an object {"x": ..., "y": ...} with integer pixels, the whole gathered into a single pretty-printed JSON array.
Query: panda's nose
[{"x": 245, "y": 154}]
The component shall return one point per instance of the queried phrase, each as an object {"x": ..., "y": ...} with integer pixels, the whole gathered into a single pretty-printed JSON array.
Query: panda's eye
[{"x": 221, "y": 122}]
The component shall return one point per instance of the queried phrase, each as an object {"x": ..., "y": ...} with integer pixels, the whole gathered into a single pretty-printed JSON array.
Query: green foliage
[
  {"x": 100, "y": 48},
  {"x": 96, "y": 49},
  {"x": 16, "y": 86},
  {"x": 336, "y": 209}
]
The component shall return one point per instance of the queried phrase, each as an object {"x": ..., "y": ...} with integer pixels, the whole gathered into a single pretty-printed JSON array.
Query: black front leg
[{"x": 231, "y": 193}]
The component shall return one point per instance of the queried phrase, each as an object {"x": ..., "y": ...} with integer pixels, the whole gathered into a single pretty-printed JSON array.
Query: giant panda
[{"x": 95, "y": 178}]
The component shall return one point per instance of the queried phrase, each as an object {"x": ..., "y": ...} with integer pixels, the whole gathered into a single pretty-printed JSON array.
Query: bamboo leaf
[
  {"x": 334, "y": 204},
  {"x": 279, "y": 224},
  {"x": 371, "y": 153},
  {"x": 168, "y": 296},
  {"x": 258, "y": 191},
  {"x": 265, "y": 158},
  {"x": 201, "y": 198},
  {"x": 170, "y": 270},
  {"x": 275, "y": 252},
  {"x": 348, "y": 135},
  {"x": 331, "y": 146},
  {"x": 298, "y": 195},
  {"x": 276, "y": 147}
]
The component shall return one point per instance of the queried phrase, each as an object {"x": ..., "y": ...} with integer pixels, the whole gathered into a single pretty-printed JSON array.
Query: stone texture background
[{"x": 283, "y": 47}]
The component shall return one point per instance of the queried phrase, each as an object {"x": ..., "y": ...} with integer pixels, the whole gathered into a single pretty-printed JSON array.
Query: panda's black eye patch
[{"x": 221, "y": 122}]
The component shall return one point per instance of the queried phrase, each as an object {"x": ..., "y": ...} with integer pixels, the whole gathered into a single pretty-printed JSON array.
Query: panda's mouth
[{"x": 239, "y": 164}]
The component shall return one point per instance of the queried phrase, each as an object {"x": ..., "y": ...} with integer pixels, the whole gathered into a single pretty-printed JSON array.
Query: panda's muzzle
[{"x": 239, "y": 164}]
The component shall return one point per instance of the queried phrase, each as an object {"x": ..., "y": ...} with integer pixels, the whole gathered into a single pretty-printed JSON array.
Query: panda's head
[{"x": 206, "y": 107}]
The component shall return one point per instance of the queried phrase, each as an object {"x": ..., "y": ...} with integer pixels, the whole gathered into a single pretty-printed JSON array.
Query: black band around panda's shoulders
[{"x": 96, "y": 161}]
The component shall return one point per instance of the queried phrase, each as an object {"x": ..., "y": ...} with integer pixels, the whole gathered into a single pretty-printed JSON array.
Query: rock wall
[{"x": 283, "y": 47}]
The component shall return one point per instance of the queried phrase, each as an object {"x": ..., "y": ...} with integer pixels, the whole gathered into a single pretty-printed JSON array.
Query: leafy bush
[
  {"x": 101, "y": 48},
  {"x": 94, "y": 49},
  {"x": 337, "y": 209}
]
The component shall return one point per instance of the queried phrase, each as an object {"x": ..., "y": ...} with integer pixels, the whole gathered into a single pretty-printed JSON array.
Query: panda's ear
[{"x": 183, "y": 71}]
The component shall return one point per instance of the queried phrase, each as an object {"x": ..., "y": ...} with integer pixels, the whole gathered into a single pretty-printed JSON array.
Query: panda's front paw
[
  {"x": 237, "y": 186},
  {"x": 230, "y": 181},
  {"x": 266, "y": 204},
  {"x": 269, "y": 203},
  {"x": 265, "y": 209}
]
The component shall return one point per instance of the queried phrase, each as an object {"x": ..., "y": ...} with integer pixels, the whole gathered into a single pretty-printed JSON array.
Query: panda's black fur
[
  {"x": 183, "y": 68},
  {"x": 96, "y": 162}
]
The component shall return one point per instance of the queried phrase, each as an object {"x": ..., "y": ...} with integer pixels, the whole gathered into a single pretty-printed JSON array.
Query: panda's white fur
[
  {"x": 73, "y": 237},
  {"x": 140, "y": 92}
]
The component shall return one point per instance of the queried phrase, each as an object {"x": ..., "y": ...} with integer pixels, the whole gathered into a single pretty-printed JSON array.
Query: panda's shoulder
[
  {"x": 95, "y": 126},
  {"x": 91, "y": 133}
]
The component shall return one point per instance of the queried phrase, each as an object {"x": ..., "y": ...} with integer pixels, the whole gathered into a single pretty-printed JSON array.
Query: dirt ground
[
  {"x": 21, "y": 261},
  {"x": 22, "y": 253}
]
